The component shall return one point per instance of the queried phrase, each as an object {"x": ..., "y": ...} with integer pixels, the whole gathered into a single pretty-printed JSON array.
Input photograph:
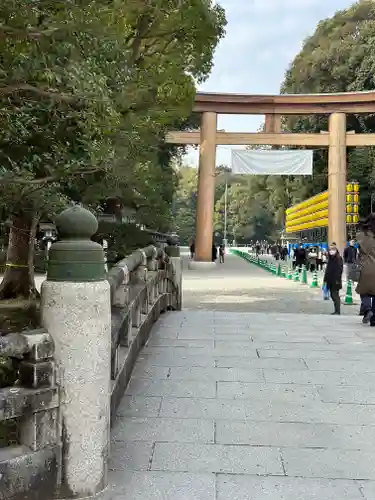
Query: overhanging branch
[
  {"x": 48, "y": 179},
  {"x": 31, "y": 33},
  {"x": 49, "y": 94}
]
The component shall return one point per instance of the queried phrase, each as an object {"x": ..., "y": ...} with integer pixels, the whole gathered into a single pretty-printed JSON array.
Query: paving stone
[
  {"x": 347, "y": 366},
  {"x": 352, "y": 394},
  {"x": 170, "y": 360},
  {"x": 230, "y": 350},
  {"x": 216, "y": 458},
  {"x": 178, "y": 351},
  {"x": 172, "y": 388},
  {"x": 219, "y": 374},
  {"x": 166, "y": 332},
  {"x": 138, "y": 406},
  {"x": 235, "y": 487},
  {"x": 267, "y": 411},
  {"x": 130, "y": 455},
  {"x": 163, "y": 429},
  {"x": 196, "y": 333},
  {"x": 342, "y": 340},
  {"x": 286, "y": 339},
  {"x": 318, "y": 377},
  {"x": 368, "y": 489},
  {"x": 330, "y": 464},
  {"x": 275, "y": 363},
  {"x": 315, "y": 354},
  {"x": 232, "y": 337},
  {"x": 142, "y": 371},
  {"x": 358, "y": 347},
  {"x": 268, "y": 392},
  {"x": 293, "y": 434},
  {"x": 156, "y": 341},
  {"x": 127, "y": 485}
]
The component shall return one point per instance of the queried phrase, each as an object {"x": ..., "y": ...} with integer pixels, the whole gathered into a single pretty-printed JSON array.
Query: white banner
[{"x": 272, "y": 162}]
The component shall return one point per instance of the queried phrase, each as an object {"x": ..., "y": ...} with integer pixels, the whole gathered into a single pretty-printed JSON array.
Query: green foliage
[
  {"x": 248, "y": 214},
  {"x": 185, "y": 205},
  {"x": 122, "y": 239},
  {"x": 338, "y": 57},
  {"x": 88, "y": 90},
  {"x": 248, "y": 210}
]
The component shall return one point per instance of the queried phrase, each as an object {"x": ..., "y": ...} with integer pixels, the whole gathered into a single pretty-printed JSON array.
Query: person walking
[
  {"x": 319, "y": 259},
  {"x": 300, "y": 254},
  {"x": 312, "y": 258},
  {"x": 214, "y": 252},
  {"x": 221, "y": 254},
  {"x": 192, "y": 249},
  {"x": 333, "y": 276},
  {"x": 366, "y": 283},
  {"x": 284, "y": 253},
  {"x": 350, "y": 257}
]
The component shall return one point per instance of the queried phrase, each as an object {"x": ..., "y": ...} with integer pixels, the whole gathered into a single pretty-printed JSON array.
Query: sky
[{"x": 262, "y": 38}]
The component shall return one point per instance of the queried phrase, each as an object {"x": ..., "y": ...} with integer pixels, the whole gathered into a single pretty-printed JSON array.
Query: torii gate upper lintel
[{"x": 337, "y": 106}]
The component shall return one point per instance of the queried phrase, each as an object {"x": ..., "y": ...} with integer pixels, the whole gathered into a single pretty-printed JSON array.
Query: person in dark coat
[
  {"x": 300, "y": 256},
  {"x": 350, "y": 257},
  {"x": 333, "y": 276},
  {"x": 214, "y": 252},
  {"x": 221, "y": 254},
  {"x": 366, "y": 283},
  {"x": 192, "y": 250}
]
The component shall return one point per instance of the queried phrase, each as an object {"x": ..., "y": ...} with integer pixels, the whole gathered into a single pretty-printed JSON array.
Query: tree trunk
[{"x": 18, "y": 281}]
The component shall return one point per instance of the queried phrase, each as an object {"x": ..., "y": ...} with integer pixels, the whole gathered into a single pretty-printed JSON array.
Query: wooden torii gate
[{"x": 337, "y": 106}]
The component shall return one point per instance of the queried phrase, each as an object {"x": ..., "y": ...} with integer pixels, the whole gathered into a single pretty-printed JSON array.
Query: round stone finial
[
  {"x": 76, "y": 222},
  {"x": 74, "y": 257}
]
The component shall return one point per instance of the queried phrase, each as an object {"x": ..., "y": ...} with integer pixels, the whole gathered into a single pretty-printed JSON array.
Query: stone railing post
[
  {"x": 76, "y": 311},
  {"x": 152, "y": 264},
  {"x": 175, "y": 268}
]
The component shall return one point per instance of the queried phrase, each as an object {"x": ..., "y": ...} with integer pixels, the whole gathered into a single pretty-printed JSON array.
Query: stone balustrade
[
  {"x": 143, "y": 285},
  {"x": 68, "y": 387},
  {"x": 29, "y": 417}
]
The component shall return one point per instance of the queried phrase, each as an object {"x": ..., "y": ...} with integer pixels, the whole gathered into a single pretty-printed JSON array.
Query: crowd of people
[{"x": 358, "y": 260}]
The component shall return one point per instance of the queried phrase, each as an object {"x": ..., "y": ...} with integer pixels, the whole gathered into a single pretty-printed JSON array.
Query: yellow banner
[
  {"x": 321, "y": 214},
  {"x": 307, "y": 225}
]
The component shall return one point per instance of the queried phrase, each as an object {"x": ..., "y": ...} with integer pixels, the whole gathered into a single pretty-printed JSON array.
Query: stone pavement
[
  {"x": 230, "y": 405},
  {"x": 239, "y": 286}
]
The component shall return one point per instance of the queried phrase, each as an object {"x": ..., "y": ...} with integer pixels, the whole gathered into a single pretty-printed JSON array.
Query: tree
[
  {"x": 88, "y": 90},
  {"x": 338, "y": 57},
  {"x": 186, "y": 202}
]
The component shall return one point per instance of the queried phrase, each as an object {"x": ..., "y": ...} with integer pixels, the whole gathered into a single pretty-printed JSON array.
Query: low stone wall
[
  {"x": 29, "y": 459},
  {"x": 143, "y": 286}
]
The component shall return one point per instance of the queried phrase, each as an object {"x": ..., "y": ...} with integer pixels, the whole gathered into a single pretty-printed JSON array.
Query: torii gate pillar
[
  {"x": 337, "y": 180},
  {"x": 206, "y": 188}
]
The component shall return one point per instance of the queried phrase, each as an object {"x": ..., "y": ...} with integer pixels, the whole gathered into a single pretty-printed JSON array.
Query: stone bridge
[{"x": 249, "y": 390}]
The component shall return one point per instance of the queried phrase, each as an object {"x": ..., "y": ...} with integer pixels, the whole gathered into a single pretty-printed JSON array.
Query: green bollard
[
  {"x": 349, "y": 294},
  {"x": 279, "y": 273},
  {"x": 304, "y": 276},
  {"x": 314, "y": 283}
]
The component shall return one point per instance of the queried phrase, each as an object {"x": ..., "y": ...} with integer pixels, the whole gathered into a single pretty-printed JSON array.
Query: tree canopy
[
  {"x": 88, "y": 90},
  {"x": 338, "y": 57}
]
